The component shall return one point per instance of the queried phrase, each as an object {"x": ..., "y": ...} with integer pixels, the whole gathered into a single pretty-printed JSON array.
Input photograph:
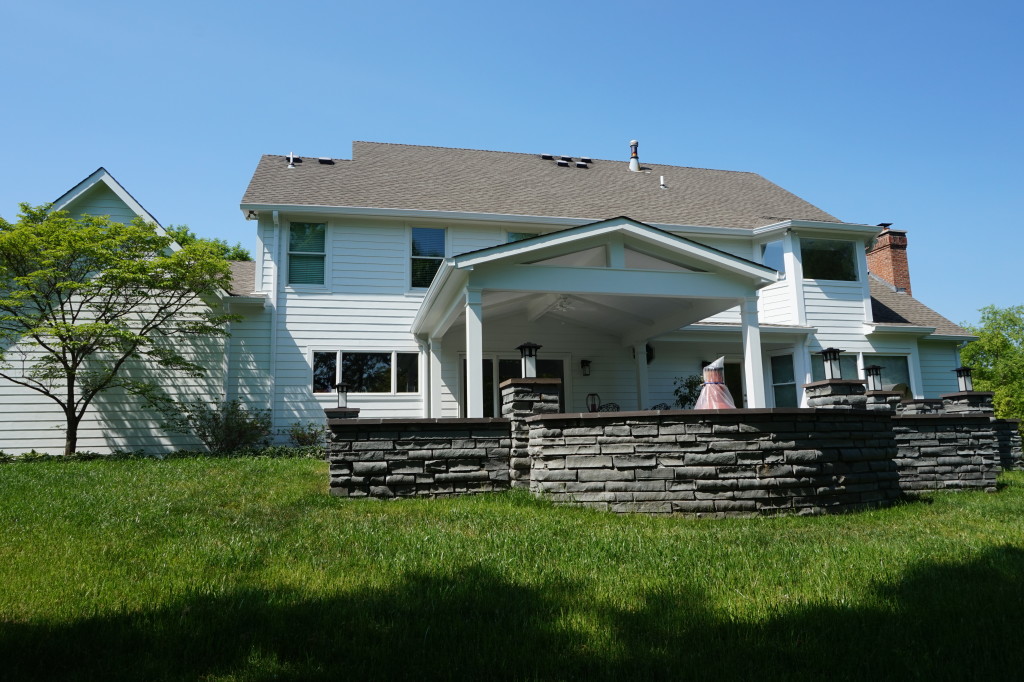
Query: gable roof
[
  {"x": 409, "y": 177},
  {"x": 892, "y": 307},
  {"x": 102, "y": 176},
  {"x": 243, "y": 277}
]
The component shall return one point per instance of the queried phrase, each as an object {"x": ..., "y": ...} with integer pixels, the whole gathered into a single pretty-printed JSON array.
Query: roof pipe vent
[
  {"x": 634, "y": 159},
  {"x": 291, "y": 159}
]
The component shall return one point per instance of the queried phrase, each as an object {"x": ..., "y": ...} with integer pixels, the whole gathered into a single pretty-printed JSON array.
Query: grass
[{"x": 245, "y": 569}]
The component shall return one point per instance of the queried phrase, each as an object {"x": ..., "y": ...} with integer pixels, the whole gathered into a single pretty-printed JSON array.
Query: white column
[
  {"x": 753, "y": 375},
  {"x": 434, "y": 361},
  {"x": 640, "y": 357},
  {"x": 474, "y": 354}
]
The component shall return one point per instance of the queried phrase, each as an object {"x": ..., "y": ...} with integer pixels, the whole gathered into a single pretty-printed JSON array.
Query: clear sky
[{"x": 897, "y": 111}]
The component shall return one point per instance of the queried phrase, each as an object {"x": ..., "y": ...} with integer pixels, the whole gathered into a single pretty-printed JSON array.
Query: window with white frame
[
  {"x": 772, "y": 255},
  {"x": 366, "y": 372},
  {"x": 784, "y": 381},
  {"x": 895, "y": 372},
  {"x": 832, "y": 259},
  {"x": 307, "y": 255},
  {"x": 427, "y": 254}
]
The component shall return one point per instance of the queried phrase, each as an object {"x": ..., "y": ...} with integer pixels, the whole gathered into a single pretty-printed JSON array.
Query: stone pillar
[
  {"x": 968, "y": 402},
  {"x": 333, "y": 415},
  {"x": 522, "y": 398},
  {"x": 882, "y": 401},
  {"x": 837, "y": 394}
]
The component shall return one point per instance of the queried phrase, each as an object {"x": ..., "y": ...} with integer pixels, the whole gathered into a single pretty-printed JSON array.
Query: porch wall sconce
[
  {"x": 830, "y": 358},
  {"x": 528, "y": 351},
  {"x": 342, "y": 388},
  {"x": 964, "y": 381},
  {"x": 593, "y": 402},
  {"x": 585, "y": 367},
  {"x": 874, "y": 374}
]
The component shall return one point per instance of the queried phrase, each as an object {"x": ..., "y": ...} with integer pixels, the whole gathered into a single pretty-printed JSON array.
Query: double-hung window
[
  {"x": 427, "y": 251},
  {"x": 307, "y": 254},
  {"x": 366, "y": 372}
]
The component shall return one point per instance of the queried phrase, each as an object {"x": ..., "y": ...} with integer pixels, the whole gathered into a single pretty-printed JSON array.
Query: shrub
[
  {"x": 687, "y": 390},
  {"x": 222, "y": 427},
  {"x": 306, "y": 433}
]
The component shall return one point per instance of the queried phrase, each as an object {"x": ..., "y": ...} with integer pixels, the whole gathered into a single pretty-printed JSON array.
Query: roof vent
[
  {"x": 586, "y": 159},
  {"x": 563, "y": 164},
  {"x": 291, "y": 159},
  {"x": 634, "y": 158},
  {"x": 566, "y": 158},
  {"x": 581, "y": 164},
  {"x": 326, "y": 160},
  {"x": 662, "y": 183},
  {"x": 547, "y": 157}
]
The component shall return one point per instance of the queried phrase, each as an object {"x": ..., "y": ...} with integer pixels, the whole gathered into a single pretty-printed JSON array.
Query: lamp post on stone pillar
[
  {"x": 529, "y": 352},
  {"x": 963, "y": 379},
  {"x": 830, "y": 359},
  {"x": 874, "y": 374}
]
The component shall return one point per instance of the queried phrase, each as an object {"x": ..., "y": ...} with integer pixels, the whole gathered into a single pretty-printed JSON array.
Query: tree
[
  {"x": 81, "y": 297},
  {"x": 184, "y": 236},
  {"x": 997, "y": 358}
]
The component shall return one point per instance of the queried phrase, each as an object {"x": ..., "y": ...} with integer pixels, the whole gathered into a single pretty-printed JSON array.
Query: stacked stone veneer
[
  {"x": 417, "y": 457},
  {"x": 944, "y": 452},
  {"x": 726, "y": 462},
  {"x": 521, "y": 399}
]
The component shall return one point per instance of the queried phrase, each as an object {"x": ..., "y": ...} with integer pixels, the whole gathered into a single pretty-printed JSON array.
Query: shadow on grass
[{"x": 942, "y": 621}]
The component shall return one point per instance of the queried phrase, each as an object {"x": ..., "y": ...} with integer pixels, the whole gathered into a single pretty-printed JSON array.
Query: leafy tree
[
  {"x": 997, "y": 358},
  {"x": 81, "y": 297},
  {"x": 185, "y": 236}
]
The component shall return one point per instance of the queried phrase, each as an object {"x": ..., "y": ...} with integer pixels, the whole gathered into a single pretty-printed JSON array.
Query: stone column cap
[
  {"x": 530, "y": 381},
  {"x": 883, "y": 394},
  {"x": 968, "y": 394},
  {"x": 836, "y": 382},
  {"x": 341, "y": 412}
]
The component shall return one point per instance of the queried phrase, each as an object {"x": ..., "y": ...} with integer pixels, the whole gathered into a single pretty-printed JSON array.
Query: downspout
[{"x": 274, "y": 270}]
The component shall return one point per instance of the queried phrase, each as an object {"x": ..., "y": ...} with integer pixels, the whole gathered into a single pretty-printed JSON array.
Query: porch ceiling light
[
  {"x": 830, "y": 358},
  {"x": 593, "y": 402},
  {"x": 585, "y": 367},
  {"x": 342, "y": 388},
  {"x": 874, "y": 374},
  {"x": 963, "y": 379}
]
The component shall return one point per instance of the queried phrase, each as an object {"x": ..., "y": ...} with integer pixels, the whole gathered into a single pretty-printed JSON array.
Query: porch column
[
  {"x": 474, "y": 354},
  {"x": 640, "y": 359},
  {"x": 434, "y": 375},
  {"x": 753, "y": 379}
]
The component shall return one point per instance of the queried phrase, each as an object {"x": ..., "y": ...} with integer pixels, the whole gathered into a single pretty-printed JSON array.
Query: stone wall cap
[
  {"x": 738, "y": 413},
  {"x": 968, "y": 394},
  {"x": 836, "y": 382},
  {"x": 530, "y": 381},
  {"x": 923, "y": 401},
  {"x": 880, "y": 394},
  {"x": 420, "y": 421}
]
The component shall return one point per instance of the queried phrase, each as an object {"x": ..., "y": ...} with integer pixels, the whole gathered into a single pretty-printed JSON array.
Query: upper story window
[
  {"x": 427, "y": 254},
  {"x": 829, "y": 259},
  {"x": 772, "y": 256},
  {"x": 307, "y": 243}
]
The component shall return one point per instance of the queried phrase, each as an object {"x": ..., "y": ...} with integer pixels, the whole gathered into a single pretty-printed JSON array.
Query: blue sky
[{"x": 901, "y": 112}]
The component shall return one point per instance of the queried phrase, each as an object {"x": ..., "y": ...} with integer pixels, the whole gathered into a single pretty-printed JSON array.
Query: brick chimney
[{"x": 888, "y": 258}]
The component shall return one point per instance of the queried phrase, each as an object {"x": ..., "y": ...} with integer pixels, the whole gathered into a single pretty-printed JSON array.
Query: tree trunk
[{"x": 71, "y": 434}]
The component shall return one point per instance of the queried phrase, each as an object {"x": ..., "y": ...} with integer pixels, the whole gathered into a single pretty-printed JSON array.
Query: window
[
  {"x": 325, "y": 371},
  {"x": 784, "y": 381},
  {"x": 519, "y": 236},
  {"x": 384, "y": 372},
  {"x": 772, "y": 256},
  {"x": 427, "y": 254},
  {"x": 895, "y": 372},
  {"x": 847, "y": 367},
  {"x": 306, "y": 253},
  {"x": 828, "y": 259}
]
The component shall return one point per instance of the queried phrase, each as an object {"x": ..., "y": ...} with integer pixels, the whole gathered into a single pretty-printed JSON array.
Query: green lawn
[{"x": 226, "y": 569}]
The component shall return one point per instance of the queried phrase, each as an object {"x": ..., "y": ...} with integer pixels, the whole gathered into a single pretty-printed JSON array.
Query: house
[{"x": 413, "y": 273}]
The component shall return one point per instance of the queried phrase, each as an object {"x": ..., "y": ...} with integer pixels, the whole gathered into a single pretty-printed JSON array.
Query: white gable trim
[{"x": 101, "y": 175}]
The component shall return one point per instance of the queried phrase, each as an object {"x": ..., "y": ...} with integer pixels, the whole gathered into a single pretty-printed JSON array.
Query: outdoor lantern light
[
  {"x": 593, "y": 402},
  {"x": 830, "y": 358},
  {"x": 585, "y": 367},
  {"x": 874, "y": 373},
  {"x": 529, "y": 353},
  {"x": 342, "y": 388},
  {"x": 963, "y": 379}
]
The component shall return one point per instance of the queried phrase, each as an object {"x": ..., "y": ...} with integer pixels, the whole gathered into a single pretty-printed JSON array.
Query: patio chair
[
  {"x": 609, "y": 407},
  {"x": 661, "y": 406}
]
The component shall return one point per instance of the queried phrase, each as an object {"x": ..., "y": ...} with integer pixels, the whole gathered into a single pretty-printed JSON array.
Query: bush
[
  {"x": 306, "y": 433},
  {"x": 687, "y": 390},
  {"x": 222, "y": 427}
]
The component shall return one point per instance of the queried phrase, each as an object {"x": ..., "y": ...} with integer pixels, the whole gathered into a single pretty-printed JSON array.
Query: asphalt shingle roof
[
  {"x": 398, "y": 176},
  {"x": 243, "y": 277},
  {"x": 889, "y": 306}
]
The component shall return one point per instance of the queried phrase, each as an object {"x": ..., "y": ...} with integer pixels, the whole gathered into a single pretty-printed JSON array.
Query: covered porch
[{"x": 601, "y": 292}]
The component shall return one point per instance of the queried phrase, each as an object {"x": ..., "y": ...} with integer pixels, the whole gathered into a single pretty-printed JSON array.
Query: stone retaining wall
[
  {"x": 417, "y": 457},
  {"x": 946, "y": 452},
  {"x": 727, "y": 462}
]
